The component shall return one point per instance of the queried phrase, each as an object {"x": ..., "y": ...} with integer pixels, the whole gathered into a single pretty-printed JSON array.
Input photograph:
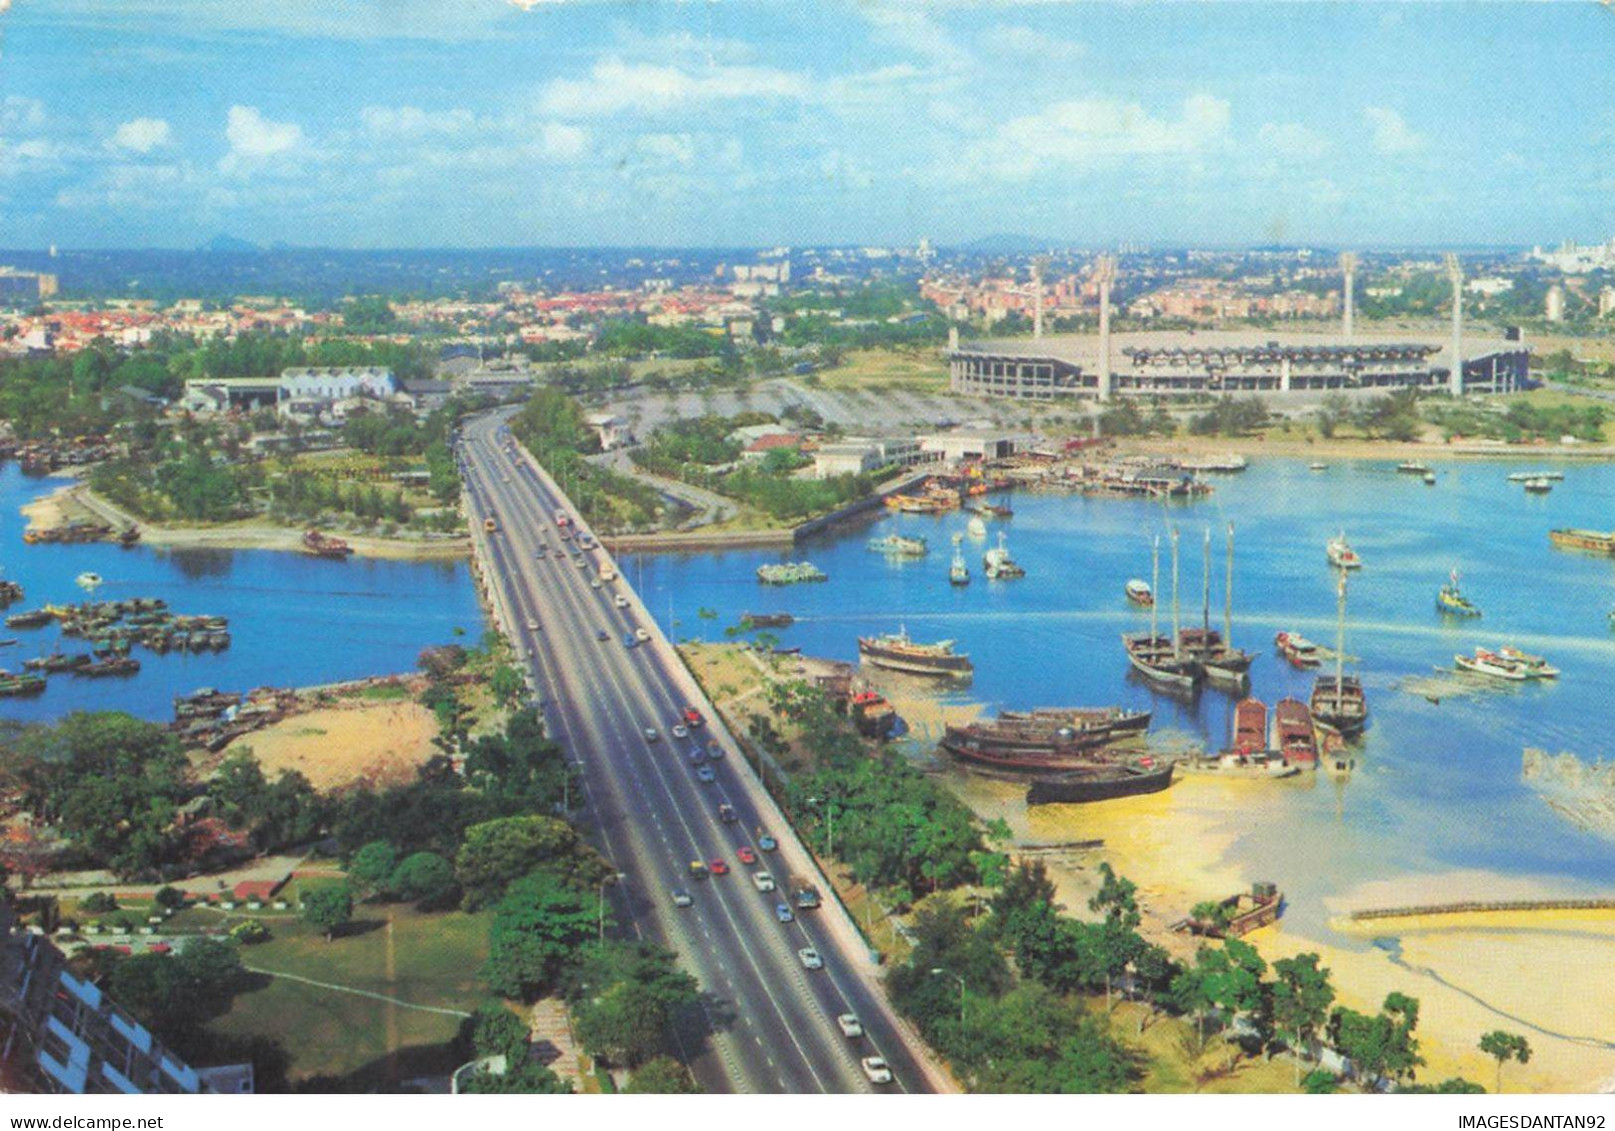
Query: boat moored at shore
[{"x": 894, "y": 651}]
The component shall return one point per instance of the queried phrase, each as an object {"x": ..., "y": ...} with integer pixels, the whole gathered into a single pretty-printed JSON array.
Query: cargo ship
[
  {"x": 1101, "y": 782},
  {"x": 1596, "y": 541},
  {"x": 324, "y": 546},
  {"x": 1292, "y": 733},
  {"x": 894, "y": 651},
  {"x": 900, "y": 545},
  {"x": 790, "y": 573}
]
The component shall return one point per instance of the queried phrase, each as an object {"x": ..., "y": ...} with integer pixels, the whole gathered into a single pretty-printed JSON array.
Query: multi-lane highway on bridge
[{"x": 772, "y": 1020}]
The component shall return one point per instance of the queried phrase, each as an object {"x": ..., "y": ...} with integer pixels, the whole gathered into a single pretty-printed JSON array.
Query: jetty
[{"x": 1480, "y": 907}]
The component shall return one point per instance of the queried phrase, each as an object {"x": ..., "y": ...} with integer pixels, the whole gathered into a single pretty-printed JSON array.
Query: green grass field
[
  {"x": 421, "y": 959},
  {"x": 919, "y": 370}
]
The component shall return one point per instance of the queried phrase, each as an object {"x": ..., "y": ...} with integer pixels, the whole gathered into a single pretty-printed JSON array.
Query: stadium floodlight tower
[
  {"x": 1104, "y": 273},
  {"x": 1348, "y": 285},
  {"x": 1039, "y": 265},
  {"x": 1455, "y": 274}
]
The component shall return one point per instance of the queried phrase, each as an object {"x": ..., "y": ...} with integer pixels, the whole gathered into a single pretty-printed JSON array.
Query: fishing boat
[
  {"x": 1297, "y": 650},
  {"x": 1538, "y": 486},
  {"x": 33, "y": 618},
  {"x": 1101, "y": 782},
  {"x": 324, "y": 546},
  {"x": 1489, "y": 664},
  {"x": 1450, "y": 600},
  {"x": 900, "y": 546},
  {"x": 1429, "y": 479},
  {"x": 1024, "y": 746},
  {"x": 1250, "y": 726},
  {"x": 1535, "y": 666},
  {"x": 19, "y": 686},
  {"x": 872, "y": 714},
  {"x": 958, "y": 572},
  {"x": 998, "y": 565},
  {"x": 1317, "y": 467},
  {"x": 1261, "y": 764},
  {"x": 1341, "y": 555},
  {"x": 10, "y": 593},
  {"x": 1413, "y": 467},
  {"x": 767, "y": 620},
  {"x": 1161, "y": 660},
  {"x": 1527, "y": 476},
  {"x": 1338, "y": 702},
  {"x": 977, "y": 529},
  {"x": 1292, "y": 733},
  {"x": 113, "y": 666},
  {"x": 1595, "y": 540},
  {"x": 790, "y": 573},
  {"x": 88, "y": 580},
  {"x": 57, "y": 662},
  {"x": 896, "y": 652},
  {"x": 1140, "y": 593}
]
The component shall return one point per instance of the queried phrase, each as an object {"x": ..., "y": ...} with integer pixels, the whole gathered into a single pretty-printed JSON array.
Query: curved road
[{"x": 770, "y": 1021}]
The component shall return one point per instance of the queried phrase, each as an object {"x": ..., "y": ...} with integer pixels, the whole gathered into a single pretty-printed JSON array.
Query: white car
[
  {"x": 532, "y": 626},
  {"x": 651, "y": 735},
  {"x": 681, "y": 731},
  {"x": 810, "y": 958},
  {"x": 851, "y": 1027},
  {"x": 876, "y": 1068},
  {"x": 594, "y": 583},
  {"x": 641, "y": 635},
  {"x": 762, "y": 881},
  {"x": 620, "y": 601}
]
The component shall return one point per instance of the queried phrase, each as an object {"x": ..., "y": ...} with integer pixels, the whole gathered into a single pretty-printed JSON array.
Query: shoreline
[
  {"x": 1351, "y": 449},
  {"x": 57, "y": 507}
]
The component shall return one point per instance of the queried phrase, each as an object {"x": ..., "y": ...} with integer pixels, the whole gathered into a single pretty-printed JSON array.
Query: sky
[{"x": 468, "y": 123}]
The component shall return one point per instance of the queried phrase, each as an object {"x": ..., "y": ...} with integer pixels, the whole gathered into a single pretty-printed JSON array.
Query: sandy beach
[
  {"x": 1539, "y": 973},
  {"x": 75, "y": 502}
]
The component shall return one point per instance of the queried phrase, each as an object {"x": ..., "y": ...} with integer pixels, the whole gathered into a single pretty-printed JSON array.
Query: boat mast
[
  {"x": 1155, "y": 590},
  {"x": 1205, "y": 589},
  {"x": 1177, "y": 629},
  {"x": 1340, "y": 642},
  {"x": 1228, "y": 593}
]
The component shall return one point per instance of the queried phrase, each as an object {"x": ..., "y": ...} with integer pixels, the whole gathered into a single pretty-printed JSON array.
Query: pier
[{"x": 1481, "y": 907}]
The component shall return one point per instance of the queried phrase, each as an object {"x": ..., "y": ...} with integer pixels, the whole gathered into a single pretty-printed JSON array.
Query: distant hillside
[{"x": 226, "y": 243}]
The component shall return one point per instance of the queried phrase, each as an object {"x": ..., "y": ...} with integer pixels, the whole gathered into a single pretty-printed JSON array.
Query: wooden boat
[
  {"x": 1250, "y": 726},
  {"x": 1101, "y": 782},
  {"x": 1338, "y": 702},
  {"x": 1292, "y": 733},
  {"x": 1110, "y": 721},
  {"x": 20, "y": 686},
  {"x": 33, "y": 618},
  {"x": 1413, "y": 467},
  {"x": 1162, "y": 660},
  {"x": 896, "y": 652},
  {"x": 1596, "y": 541},
  {"x": 1221, "y": 663}
]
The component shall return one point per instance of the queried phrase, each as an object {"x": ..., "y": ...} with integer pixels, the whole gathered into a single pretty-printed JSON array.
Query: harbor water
[
  {"x": 1437, "y": 789},
  {"x": 295, "y": 621}
]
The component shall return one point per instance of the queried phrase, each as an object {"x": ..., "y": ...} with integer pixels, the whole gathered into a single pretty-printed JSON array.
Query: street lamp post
[{"x": 937, "y": 971}]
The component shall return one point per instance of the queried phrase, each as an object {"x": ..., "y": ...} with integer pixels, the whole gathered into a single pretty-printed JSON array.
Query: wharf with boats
[{"x": 111, "y": 629}]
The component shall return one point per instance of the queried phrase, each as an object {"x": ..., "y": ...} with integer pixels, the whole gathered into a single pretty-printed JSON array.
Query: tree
[
  {"x": 537, "y": 929},
  {"x": 169, "y": 898},
  {"x": 1302, "y": 996},
  {"x": 100, "y": 903},
  {"x": 496, "y": 853},
  {"x": 662, "y": 1075},
  {"x": 1320, "y": 1082},
  {"x": 1502, "y": 1047},
  {"x": 523, "y": 1077},
  {"x": 371, "y": 868},
  {"x": 494, "y": 1030},
  {"x": 1119, "y": 942},
  {"x": 177, "y": 994},
  {"x": 328, "y": 908},
  {"x": 424, "y": 878},
  {"x": 625, "y": 997}
]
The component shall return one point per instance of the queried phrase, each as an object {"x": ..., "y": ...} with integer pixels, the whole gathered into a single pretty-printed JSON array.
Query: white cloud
[
  {"x": 913, "y": 30},
  {"x": 1392, "y": 134},
  {"x": 676, "y": 148},
  {"x": 400, "y": 121},
  {"x": 1100, "y": 131},
  {"x": 561, "y": 141},
  {"x": 254, "y": 138},
  {"x": 1291, "y": 139},
  {"x": 19, "y": 113},
  {"x": 614, "y": 86},
  {"x": 142, "y": 135},
  {"x": 1028, "y": 43}
]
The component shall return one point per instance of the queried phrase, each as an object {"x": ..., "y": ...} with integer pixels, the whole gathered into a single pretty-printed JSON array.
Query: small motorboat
[
  {"x": 1538, "y": 485},
  {"x": 1450, "y": 600},
  {"x": 1341, "y": 555},
  {"x": 88, "y": 580},
  {"x": 1317, "y": 467},
  {"x": 1429, "y": 479},
  {"x": 1140, "y": 593},
  {"x": 1297, "y": 649}
]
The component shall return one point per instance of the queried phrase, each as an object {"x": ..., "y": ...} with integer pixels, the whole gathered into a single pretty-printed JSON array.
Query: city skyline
[{"x": 494, "y": 123}]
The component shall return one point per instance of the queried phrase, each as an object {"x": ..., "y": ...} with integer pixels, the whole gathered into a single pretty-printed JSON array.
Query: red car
[
  {"x": 718, "y": 868},
  {"x": 747, "y": 856},
  {"x": 693, "y": 717}
]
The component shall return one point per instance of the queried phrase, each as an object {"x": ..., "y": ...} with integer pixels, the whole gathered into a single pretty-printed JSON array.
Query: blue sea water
[
  {"x": 1438, "y": 786},
  {"x": 294, "y": 620}
]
